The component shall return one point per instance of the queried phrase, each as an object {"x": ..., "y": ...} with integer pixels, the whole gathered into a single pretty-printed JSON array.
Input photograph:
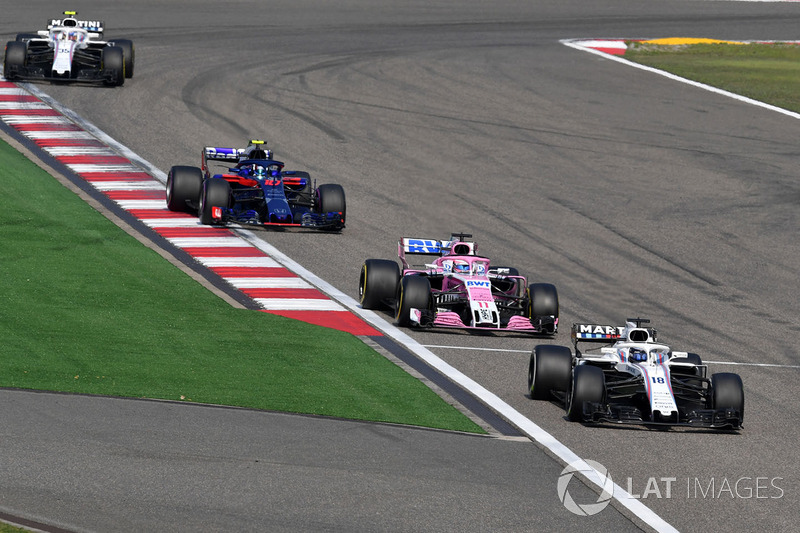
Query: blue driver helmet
[
  {"x": 461, "y": 267},
  {"x": 260, "y": 173},
  {"x": 637, "y": 356}
]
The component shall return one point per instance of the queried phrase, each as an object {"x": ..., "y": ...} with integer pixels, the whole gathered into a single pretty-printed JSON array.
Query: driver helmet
[
  {"x": 636, "y": 355},
  {"x": 461, "y": 267},
  {"x": 260, "y": 172}
]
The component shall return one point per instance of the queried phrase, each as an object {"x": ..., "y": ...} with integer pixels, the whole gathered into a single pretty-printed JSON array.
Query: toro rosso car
[
  {"x": 457, "y": 289},
  {"x": 69, "y": 50},
  {"x": 253, "y": 189},
  {"x": 634, "y": 379}
]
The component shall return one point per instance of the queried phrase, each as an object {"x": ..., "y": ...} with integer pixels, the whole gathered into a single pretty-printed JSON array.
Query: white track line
[
  {"x": 733, "y": 363},
  {"x": 576, "y": 43}
]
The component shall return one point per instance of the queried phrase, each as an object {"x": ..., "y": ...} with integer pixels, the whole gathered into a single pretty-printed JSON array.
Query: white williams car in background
[
  {"x": 634, "y": 380},
  {"x": 69, "y": 50}
]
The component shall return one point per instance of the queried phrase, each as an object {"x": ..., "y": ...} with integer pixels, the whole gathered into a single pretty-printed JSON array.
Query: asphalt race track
[{"x": 635, "y": 194}]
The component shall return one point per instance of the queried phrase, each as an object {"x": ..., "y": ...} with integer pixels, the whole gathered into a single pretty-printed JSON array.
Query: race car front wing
[
  {"x": 627, "y": 414},
  {"x": 326, "y": 221}
]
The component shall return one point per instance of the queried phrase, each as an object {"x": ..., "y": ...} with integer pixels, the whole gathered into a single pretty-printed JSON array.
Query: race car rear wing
[
  {"x": 212, "y": 153},
  {"x": 455, "y": 246},
  {"x": 597, "y": 333},
  {"x": 631, "y": 331},
  {"x": 255, "y": 150},
  {"x": 94, "y": 26}
]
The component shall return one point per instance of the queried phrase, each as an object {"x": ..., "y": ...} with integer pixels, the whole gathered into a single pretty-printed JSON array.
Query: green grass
[
  {"x": 769, "y": 73},
  {"x": 7, "y": 528},
  {"x": 86, "y": 308}
]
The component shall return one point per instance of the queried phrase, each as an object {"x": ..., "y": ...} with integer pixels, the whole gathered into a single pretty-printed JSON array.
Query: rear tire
[
  {"x": 727, "y": 392},
  {"x": 112, "y": 61},
  {"x": 505, "y": 271},
  {"x": 14, "y": 59},
  {"x": 543, "y": 300},
  {"x": 412, "y": 292},
  {"x": 588, "y": 385},
  {"x": 184, "y": 187},
  {"x": 378, "y": 282},
  {"x": 330, "y": 199},
  {"x": 692, "y": 358},
  {"x": 550, "y": 369},
  {"x": 216, "y": 193},
  {"x": 304, "y": 196}
]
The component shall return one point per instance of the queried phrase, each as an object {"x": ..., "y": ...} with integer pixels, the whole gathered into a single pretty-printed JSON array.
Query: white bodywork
[
  {"x": 654, "y": 370},
  {"x": 65, "y": 37},
  {"x": 65, "y": 41}
]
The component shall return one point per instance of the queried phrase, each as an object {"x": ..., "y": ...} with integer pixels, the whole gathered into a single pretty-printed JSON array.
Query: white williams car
[
  {"x": 69, "y": 50},
  {"x": 634, "y": 379}
]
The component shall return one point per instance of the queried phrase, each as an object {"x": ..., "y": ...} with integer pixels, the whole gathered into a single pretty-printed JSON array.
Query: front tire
[
  {"x": 330, "y": 199},
  {"x": 549, "y": 370},
  {"x": 128, "y": 54},
  {"x": 413, "y": 292},
  {"x": 543, "y": 300},
  {"x": 184, "y": 187},
  {"x": 588, "y": 385},
  {"x": 216, "y": 193},
  {"x": 112, "y": 62},
  {"x": 378, "y": 282},
  {"x": 14, "y": 59},
  {"x": 727, "y": 392}
]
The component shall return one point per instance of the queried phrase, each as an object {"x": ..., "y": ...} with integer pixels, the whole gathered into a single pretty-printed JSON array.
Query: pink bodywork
[{"x": 477, "y": 283}]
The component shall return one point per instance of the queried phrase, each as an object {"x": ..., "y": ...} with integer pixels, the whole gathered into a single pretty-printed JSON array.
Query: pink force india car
[{"x": 457, "y": 289}]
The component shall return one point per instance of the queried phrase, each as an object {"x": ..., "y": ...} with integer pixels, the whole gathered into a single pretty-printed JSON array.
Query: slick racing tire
[
  {"x": 184, "y": 186},
  {"x": 330, "y": 199},
  {"x": 550, "y": 370},
  {"x": 378, "y": 282},
  {"x": 112, "y": 60},
  {"x": 506, "y": 285},
  {"x": 588, "y": 385},
  {"x": 304, "y": 196},
  {"x": 543, "y": 300},
  {"x": 727, "y": 392},
  {"x": 216, "y": 193},
  {"x": 128, "y": 54},
  {"x": 16, "y": 53},
  {"x": 413, "y": 292}
]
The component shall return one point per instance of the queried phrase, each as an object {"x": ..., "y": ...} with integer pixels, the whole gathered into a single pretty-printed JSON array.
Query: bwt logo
[
  {"x": 590, "y": 469},
  {"x": 422, "y": 246},
  {"x": 484, "y": 284}
]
